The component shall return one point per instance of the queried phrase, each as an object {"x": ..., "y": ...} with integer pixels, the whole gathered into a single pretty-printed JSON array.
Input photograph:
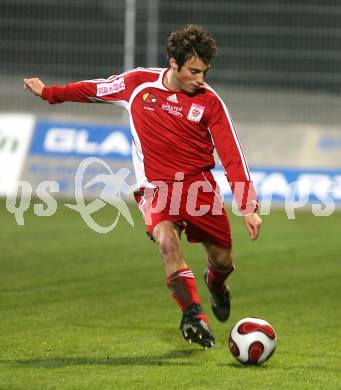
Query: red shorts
[{"x": 195, "y": 205}]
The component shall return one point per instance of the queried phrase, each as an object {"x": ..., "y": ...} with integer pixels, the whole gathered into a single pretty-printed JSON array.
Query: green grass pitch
[{"x": 82, "y": 310}]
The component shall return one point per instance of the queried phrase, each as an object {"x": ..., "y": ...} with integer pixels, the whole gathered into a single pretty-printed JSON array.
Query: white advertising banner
[
  {"x": 291, "y": 145},
  {"x": 15, "y": 136}
]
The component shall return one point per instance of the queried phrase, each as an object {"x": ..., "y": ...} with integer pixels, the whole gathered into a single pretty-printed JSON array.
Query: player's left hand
[{"x": 253, "y": 223}]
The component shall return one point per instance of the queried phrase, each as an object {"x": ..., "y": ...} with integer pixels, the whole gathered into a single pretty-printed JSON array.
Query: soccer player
[{"x": 177, "y": 121}]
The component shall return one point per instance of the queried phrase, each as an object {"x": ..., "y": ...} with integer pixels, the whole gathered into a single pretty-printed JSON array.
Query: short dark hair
[{"x": 191, "y": 41}]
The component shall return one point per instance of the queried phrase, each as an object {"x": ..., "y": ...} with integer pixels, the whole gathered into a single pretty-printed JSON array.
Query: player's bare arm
[
  {"x": 34, "y": 85},
  {"x": 253, "y": 224}
]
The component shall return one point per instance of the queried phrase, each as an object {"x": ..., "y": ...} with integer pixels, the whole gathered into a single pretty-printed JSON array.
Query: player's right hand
[{"x": 34, "y": 85}]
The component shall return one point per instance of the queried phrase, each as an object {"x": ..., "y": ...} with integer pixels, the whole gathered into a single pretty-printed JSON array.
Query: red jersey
[{"x": 172, "y": 130}]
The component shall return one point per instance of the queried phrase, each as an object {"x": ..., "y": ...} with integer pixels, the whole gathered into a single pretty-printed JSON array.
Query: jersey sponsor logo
[
  {"x": 196, "y": 112},
  {"x": 110, "y": 88},
  {"x": 173, "y": 98},
  {"x": 150, "y": 99},
  {"x": 173, "y": 110}
]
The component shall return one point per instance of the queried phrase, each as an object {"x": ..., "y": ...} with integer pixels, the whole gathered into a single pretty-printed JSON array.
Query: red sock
[
  {"x": 215, "y": 278},
  {"x": 182, "y": 287}
]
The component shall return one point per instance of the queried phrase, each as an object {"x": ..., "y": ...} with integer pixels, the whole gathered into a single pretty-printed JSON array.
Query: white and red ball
[{"x": 252, "y": 341}]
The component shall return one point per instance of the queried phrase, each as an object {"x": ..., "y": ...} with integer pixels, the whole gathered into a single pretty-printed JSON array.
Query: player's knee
[
  {"x": 168, "y": 245},
  {"x": 167, "y": 238},
  {"x": 222, "y": 260}
]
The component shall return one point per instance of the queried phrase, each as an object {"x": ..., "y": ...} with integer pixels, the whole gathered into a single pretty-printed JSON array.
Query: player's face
[{"x": 191, "y": 76}]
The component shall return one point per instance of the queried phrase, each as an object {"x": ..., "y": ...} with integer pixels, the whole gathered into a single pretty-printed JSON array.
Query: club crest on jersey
[
  {"x": 195, "y": 112},
  {"x": 112, "y": 87}
]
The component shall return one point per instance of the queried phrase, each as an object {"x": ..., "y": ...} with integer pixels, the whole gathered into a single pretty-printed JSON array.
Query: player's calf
[
  {"x": 194, "y": 325},
  {"x": 220, "y": 294}
]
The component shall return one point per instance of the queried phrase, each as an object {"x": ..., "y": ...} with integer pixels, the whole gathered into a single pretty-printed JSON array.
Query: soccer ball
[{"x": 252, "y": 341}]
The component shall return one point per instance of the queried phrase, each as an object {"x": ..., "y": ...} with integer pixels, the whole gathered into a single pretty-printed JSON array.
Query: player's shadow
[
  {"x": 159, "y": 360},
  {"x": 240, "y": 366}
]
